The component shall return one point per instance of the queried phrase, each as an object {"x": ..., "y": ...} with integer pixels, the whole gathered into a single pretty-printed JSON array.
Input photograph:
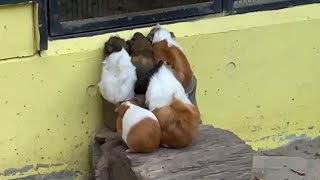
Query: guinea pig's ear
[
  {"x": 172, "y": 35},
  {"x": 108, "y": 49},
  {"x": 126, "y": 47},
  {"x": 150, "y": 36},
  {"x": 129, "y": 44},
  {"x": 135, "y": 36}
]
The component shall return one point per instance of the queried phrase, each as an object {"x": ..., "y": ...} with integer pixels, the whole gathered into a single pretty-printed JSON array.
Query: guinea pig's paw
[
  {"x": 164, "y": 145},
  {"x": 129, "y": 151}
]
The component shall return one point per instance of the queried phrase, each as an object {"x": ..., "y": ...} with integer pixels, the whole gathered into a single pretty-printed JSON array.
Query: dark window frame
[
  {"x": 45, "y": 22},
  {"x": 245, "y": 7},
  {"x": 60, "y": 29}
]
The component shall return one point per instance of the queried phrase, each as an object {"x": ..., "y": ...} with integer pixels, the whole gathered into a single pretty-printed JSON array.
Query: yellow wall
[
  {"x": 257, "y": 77},
  {"x": 17, "y": 36}
]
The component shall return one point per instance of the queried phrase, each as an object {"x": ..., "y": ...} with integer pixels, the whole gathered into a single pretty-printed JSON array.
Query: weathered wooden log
[{"x": 214, "y": 154}]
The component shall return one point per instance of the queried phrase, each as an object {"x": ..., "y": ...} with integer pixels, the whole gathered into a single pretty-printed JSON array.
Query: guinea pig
[
  {"x": 166, "y": 48},
  {"x": 118, "y": 75},
  {"x": 115, "y": 44},
  {"x": 154, "y": 29},
  {"x": 140, "y": 50},
  {"x": 178, "y": 117},
  {"x": 138, "y": 127}
]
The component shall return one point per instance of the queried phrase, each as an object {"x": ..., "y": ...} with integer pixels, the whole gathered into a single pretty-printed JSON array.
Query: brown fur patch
[
  {"x": 179, "y": 123},
  {"x": 134, "y": 101},
  {"x": 175, "y": 58},
  {"x": 115, "y": 44},
  {"x": 121, "y": 109},
  {"x": 144, "y": 137},
  {"x": 142, "y": 58}
]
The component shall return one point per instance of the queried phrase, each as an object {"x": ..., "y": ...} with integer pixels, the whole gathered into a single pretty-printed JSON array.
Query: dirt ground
[{"x": 296, "y": 161}]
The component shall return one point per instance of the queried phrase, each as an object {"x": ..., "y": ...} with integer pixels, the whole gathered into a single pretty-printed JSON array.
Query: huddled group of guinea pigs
[{"x": 156, "y": 67}]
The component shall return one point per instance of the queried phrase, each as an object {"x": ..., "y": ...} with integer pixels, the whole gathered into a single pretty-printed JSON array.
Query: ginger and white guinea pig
[
  {"x": 138, "y": 127},
  {"x": 178, "y": 117},
  {"x": 118, "y": 75},
  {"x": 166, "y": 48}
]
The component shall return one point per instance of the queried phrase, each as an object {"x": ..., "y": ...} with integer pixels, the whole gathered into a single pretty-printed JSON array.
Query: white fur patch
[
  {"x": 134, "y": 115},
  {"x": 162, "y": 87},
  {"x": 118, "y": 77},
  {"x": 163, "y": 34}
]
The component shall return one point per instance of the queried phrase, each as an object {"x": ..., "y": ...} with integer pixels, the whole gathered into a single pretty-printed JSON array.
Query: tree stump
[{"x": 214, "y": 154}]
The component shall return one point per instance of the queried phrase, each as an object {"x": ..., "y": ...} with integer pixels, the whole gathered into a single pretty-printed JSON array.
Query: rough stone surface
[
  {"x": 215, "y": 154},
  {"x": 297, "y": 160},
  {"x": 64, "y": 175},
  {"x": 282, "y": 167},
  {"x": 301, "y": 148}
]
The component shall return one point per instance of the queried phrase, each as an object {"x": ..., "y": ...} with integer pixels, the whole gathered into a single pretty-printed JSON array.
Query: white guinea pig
[{"x": 118, "y": 75}]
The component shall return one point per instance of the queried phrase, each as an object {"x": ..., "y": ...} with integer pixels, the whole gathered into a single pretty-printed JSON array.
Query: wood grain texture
[{"x": 215, "y": 154}]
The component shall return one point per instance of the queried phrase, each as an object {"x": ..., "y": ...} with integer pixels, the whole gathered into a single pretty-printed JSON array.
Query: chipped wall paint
[{"x": 256, "y": 77}]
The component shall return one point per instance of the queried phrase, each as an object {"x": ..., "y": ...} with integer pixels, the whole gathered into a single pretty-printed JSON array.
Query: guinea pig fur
[
  {"x": 118, "y": 75},
  {"x": 141, "y": 53},
  {"x": 138, "y": 127},
  {"x": 115, "y": 44},
  {"x": 166, "y": 48},
  {"x": 178, "y": 117},
  {"x": 154, "y": 29}
]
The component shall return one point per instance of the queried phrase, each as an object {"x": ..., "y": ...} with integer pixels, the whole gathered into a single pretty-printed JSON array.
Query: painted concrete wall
[
  {"x": 257, "y": 76},
  {"x": 17, "y": 36}
]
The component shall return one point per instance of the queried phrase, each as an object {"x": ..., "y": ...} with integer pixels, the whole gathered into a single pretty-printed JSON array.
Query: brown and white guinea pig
[
  {"x": 118, "y": 75},
  {"x": 140, "y": 50},
  {"x": 156, "y": 28},
  {"x": 138, "y": 127},
  {"x": 178, "y": 117},
  {"x": 165, "y": 47},
  {"x": 115, "y": 44}
]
